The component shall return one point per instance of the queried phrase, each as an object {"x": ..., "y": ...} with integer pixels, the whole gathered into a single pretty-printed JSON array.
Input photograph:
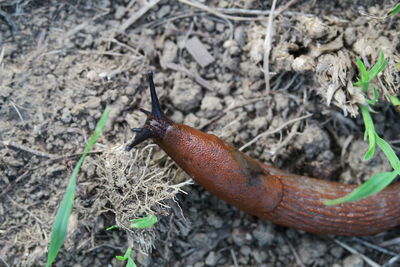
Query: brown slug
[{"x": 261, "y": 189}]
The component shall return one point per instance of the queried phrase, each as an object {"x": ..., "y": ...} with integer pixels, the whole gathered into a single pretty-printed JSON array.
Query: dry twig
[
  {"x": 352, "y": 250},
  {"x": 274, "y": 130},
  {"x": 267, "y": 46},
  {"x": 215, "y": 11},
  {"x": 373, "y": 246},
  {"x": 295, "y": 254},
  {"x": 196, "y": 77},
  {"x": 137, "y": 15},
  {"x": 286, "y": 141},
  {"x": 16, "y": 146}
]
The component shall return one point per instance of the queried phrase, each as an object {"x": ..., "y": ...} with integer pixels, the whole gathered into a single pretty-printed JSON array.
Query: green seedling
[
  {"x": 380, "y": 180},
  {"x": 140, "y": 223},
  {"x": 127, "y": 256},
  {"x": 145, "y": 222},
  {"x": 395, "y": 10},
  {"x": 395, "y": 100},
  {"x": 60, "y": 224}
]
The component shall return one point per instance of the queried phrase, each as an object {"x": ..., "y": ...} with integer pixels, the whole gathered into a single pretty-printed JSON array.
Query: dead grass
[{"x": 134, "y": 185}]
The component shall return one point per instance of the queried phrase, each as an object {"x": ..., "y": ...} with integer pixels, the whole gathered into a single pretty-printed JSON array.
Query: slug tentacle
[{"x": 156, "y": 123}]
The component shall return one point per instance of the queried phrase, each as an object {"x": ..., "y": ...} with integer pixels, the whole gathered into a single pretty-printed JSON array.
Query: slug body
[{"x": 264, "y": 191}]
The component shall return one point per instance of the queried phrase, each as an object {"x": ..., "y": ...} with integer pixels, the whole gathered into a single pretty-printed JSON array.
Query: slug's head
[{"x": 156, "y": 124}]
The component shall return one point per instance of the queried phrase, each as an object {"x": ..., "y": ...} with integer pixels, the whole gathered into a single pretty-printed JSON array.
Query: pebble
[
  {"x": 232, "y": 47},
  {"x": 303, "y": 63},
  {"x": 245, "y": 250},
  {"x": 170, "y": 52},
  {"x": 214, "y": 220},
  {"x": 163, "y": 11},
  {"x": 209, "y": 25},
  {"x": 119, "y": 12},
  {"x": 311, "y": 250},
  {"x": 313, "y": 141},
  {"x": 241, "y": 237},
  {"x": 186, "y": 95},
  {"x": 264, "y": 234},
  {"x": 337, "y": 252},
  {"x": 240, "y": 36},
  {"x": 211, "y": 259},
  {"x": 211, "y": 105},
  {"x": 66, "y": 115},
  {"x": 350, "y": 36},
  {"x": 201, "y": 240},
  {"x": 353, "y": 261},
  {"x": 259, "y": 256}
]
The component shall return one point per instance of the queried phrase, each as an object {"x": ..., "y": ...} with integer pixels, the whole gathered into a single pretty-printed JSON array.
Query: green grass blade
[
  {"x": 369, "y": 132},
  {"x": 364, "y": 80},
  {"x": 130, "y": 263},
  {"x": 395, "y": 100},
  {"x": 363, "y": 70},
  {"x": 128, "y": 253},
  {"x": 375, "y": 184},
  {"x": 378, "y": 67},
  {"x": 112, "y": 227},
  {"x": 60, "y": 224},
  {"x": 375, "y": 97},
  {"x": 395, "y": 10},
  {"x": 127, "y": 256},
  {"x": 145, "y": 222},
  {"x": 389, "y": 152}
]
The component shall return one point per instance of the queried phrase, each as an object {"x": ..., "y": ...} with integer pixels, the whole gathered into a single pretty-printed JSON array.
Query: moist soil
[{"x": 63, "y": 62}]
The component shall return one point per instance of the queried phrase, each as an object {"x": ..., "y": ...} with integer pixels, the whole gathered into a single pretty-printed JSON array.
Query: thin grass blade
[
  {"x": 145, "y": 222},
  {"x": 395, "y": 10},
  {"x": 389, "y": 152},
  {"x": 378, "y": 67},
  {"x": 60, "y": 224},
  {"x": 369, "y": 188},
  {"x": 369, "y": 132}
]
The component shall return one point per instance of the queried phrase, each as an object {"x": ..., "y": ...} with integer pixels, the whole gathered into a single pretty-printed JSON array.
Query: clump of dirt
[{"x": 328, "y": 47}]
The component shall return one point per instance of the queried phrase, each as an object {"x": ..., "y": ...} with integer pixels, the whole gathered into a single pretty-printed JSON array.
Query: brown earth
[{"x": 63, "y": 62}]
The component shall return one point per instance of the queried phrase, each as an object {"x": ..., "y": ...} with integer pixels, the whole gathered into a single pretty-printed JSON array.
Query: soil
[{"x": 63, "y": 62}]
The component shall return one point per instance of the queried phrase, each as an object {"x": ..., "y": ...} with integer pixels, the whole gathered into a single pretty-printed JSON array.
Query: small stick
[
  {"x": 233, "y": 255},
  {"x": 391, "y": 261},
  {"x": 17, "y": 110},
  {"x": 16, "y": 146},
  {"x": 137, "y": 15},
  {"x": 352, "y": 250},
  {"x": 216, "y": 12},
  {"x": 267, "y": 45},
  {"x": 51, "y": 159},
  {"x": 296, "y": 255},
  {"x": 196, "y": 77},
  {"x": 3, "y": 261},
  {"x": 373, "y": 246},
  {"x": 226, "y": 110},
  {"x": 9, "y": 22},
  {"x": 19, "y": 178},
  {"x": 274, "y": 130},
  {"x": 391, "y": 242},
  {"x": 288, "y": 4},
  {"x": 25, "y": 209},
  {"x": 286, "y": 141}
]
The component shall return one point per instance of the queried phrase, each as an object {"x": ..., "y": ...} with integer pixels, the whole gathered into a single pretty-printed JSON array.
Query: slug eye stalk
[{"x": 156, "y": 123}]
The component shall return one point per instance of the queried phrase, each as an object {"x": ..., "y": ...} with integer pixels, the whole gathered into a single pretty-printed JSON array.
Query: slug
[{"x": 261, "y": 189}]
